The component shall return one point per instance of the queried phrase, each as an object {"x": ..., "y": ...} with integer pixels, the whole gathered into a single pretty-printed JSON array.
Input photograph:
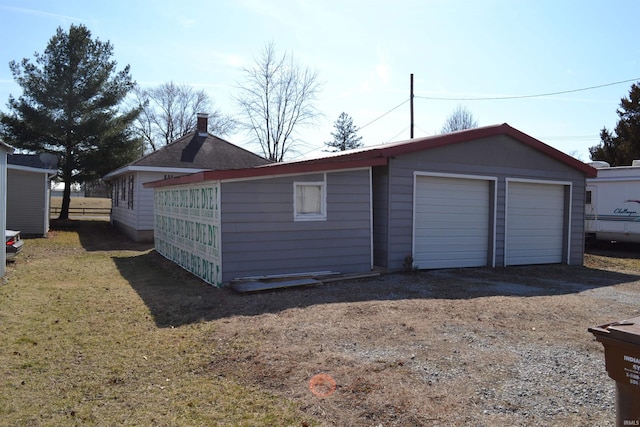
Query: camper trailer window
[{"x": 588, "y": 198}]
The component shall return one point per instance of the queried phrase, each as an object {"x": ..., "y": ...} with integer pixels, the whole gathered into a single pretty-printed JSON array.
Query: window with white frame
[{"x": 309, "y": 201}]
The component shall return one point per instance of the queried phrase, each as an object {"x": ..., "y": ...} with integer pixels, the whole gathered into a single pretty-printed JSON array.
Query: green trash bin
[{"x": 621, "y": 341}]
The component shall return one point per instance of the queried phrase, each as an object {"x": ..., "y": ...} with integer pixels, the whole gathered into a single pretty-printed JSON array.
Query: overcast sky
[{"x": 460, "y": 52}]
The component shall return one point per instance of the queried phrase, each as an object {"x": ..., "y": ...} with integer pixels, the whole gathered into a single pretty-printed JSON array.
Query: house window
[
  {"x": 130, "y": 201},
  {"x": 116, "y": 193},
  {"x": 588, "y": 197},
  {"x": 123, "y": 190},
  {"x": 309, "y": 201}
]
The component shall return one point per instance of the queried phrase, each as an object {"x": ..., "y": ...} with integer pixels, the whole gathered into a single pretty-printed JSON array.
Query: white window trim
[{"x": 323, "y": 202}]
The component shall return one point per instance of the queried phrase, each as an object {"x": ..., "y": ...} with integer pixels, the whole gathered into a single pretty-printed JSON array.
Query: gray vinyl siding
[
  {"x": 500, "y": 157},
  {"x": 27, "y": 202},
  {"x": 260, "y": 236},
  {"x": 577, "y": 231},
  {"x": 380, "y": 216}
]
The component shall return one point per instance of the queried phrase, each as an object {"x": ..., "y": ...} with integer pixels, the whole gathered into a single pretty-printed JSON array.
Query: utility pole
[{"x": 411, "y": 107}]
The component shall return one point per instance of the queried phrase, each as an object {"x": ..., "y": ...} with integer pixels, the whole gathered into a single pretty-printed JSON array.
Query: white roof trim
[
  {"x": 31, "y": 169},
  {"x": 8, "y": 148},
  {"x": 128, "y": 169}
]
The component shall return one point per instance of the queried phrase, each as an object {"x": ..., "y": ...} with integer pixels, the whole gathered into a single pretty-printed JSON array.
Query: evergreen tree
[
  {"x": 345, "y": 136},
  {"x": 623, "y": 146},
  {"x": 71, "y": 106}
]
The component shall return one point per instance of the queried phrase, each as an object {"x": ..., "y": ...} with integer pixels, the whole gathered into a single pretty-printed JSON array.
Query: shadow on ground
[
  {"x": 175, "y": 297},
  {"x": 625, "y": 250},
  {"x": 100, "y": 235}
]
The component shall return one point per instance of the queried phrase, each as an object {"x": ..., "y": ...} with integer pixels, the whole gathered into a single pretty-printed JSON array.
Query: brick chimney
[{"x": 203, "y": 121}]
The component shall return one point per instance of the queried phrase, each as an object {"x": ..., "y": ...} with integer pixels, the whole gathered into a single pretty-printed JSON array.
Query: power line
[
  {"x": 378, "y": 118},
  {"x": 396, "y": 135},
  {"x": 579, "y": 137},
  {"x": 495, "y": 98}
]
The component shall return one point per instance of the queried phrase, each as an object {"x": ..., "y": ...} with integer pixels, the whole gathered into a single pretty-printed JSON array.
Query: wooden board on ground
[{"x": 254, "y": 286}]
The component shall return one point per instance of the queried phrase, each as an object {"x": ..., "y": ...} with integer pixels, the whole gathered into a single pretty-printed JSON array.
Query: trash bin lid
[{"x": 624, "y": 330}]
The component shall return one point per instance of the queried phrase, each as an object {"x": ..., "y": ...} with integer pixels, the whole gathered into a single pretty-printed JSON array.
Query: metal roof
[{"x": 379, "y": 155}]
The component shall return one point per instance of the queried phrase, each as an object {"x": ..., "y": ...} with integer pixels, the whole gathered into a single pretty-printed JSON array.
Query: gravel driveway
[{"x": 481, "y": 347}]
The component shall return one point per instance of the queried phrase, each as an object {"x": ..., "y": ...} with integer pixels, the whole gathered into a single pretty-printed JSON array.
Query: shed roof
[
  {"x": 195, "y": 150},
  {"x": 6, "y": 147},
  {"x": 32, "y": 161},
  {"x": 379, "y": 155}
]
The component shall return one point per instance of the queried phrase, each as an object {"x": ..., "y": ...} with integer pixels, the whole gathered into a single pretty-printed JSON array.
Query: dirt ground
[{"x": 478, "y": 347}]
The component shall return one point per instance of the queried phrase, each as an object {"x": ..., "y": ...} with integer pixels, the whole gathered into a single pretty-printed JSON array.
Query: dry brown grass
[{"x": 79, "y": 345}]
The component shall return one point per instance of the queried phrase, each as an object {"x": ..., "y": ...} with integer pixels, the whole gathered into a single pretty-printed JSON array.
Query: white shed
[
  {"x": 28, "y": 192},
  {"x": 4, "y": 150}
]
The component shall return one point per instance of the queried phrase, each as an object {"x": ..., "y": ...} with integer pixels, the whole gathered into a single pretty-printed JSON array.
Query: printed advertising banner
[{"x": 187, "y": 228}]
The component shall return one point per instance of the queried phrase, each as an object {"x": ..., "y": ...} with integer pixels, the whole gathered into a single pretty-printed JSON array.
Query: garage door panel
[
  {"x": 535, "y": 223},
  {"x": 460, "y": 220},
  {"x": 537, "y": 243},
  {"x": 451, "y": 224},
  {"x": 454, "y": 243},
  {"x": 443, "y": 234}
]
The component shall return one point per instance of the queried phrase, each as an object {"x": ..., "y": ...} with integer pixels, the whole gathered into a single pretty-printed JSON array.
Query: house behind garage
[
  {"x": 490, "y": 196},
  {"x": 132, "y": 203}
]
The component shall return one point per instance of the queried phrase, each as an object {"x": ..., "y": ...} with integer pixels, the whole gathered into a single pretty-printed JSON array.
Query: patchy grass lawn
[
  {"x": 80, "y": 346},
  {"x": 98, "y": 330}
]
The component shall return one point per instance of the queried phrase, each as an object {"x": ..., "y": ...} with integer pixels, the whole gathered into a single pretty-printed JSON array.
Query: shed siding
[
  {"x": 500, "y": 157},
  {"x": 260, "y": 236},
  {"x": 3, "y": 204},
  {"x": 27, "y": 202}
]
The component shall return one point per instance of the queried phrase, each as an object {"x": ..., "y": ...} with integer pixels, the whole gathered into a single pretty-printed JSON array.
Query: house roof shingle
[
  {"x": 379, "y": 155},
  {"x": 196, "y": 151}
]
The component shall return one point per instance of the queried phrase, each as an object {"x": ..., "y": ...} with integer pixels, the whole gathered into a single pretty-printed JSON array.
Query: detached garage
[{"x": 490, "y": 196}]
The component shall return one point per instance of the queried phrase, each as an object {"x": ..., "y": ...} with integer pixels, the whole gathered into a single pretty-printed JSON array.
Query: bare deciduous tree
[
  {"x": 276, "y": 96},
  {"x": 170, "y": 111},
  {"x": 460, "y": 119}
]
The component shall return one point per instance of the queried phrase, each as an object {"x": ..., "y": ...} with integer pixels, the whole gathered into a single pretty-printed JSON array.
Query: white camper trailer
[{"x": 612, "y": 210}]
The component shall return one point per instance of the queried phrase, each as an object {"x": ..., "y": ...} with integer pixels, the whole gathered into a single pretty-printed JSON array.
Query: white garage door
[
  {"x": 451, "y": 222},
  {"x": 535, "y": 223}
]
